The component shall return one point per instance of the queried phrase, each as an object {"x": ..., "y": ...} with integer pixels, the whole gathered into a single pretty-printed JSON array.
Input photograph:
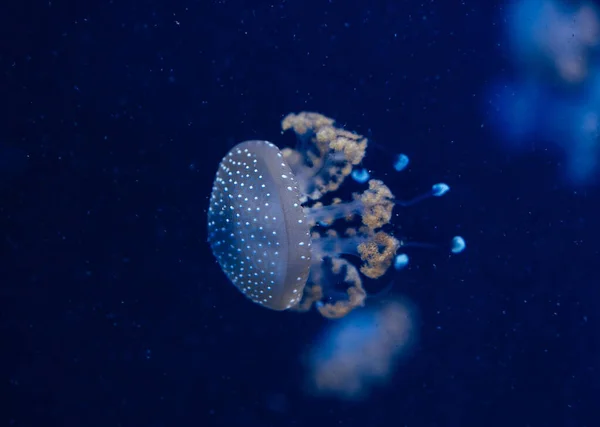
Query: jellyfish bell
[
  {"x": 272, "y": 234},
  {"x": 258, "y": 230}
]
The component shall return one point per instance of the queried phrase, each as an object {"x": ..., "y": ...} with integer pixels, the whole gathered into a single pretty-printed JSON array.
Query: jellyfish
[
  {"x": 553, "y": 35},
  {"x": 277, "y": 240},
  {"x": 351, "y": 358}
]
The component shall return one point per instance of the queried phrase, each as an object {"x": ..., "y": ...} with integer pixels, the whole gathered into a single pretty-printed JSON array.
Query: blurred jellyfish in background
[
  {"x": 555, "y": 94},
  {"x": 550, "y": 36},
  {"x": 361, "y": 352},
  {"x": 283, "y": 237}
]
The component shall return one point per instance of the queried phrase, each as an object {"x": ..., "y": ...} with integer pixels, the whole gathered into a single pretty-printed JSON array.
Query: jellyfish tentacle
[{"x": 437, "y": 190}]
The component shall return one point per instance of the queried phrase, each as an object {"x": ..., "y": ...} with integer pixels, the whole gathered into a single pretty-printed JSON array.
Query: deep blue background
[{"x": 115, "y": 115}]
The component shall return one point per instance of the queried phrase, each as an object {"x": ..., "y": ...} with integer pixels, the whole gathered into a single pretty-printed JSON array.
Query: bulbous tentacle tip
[
  {"x": 360, "y": 175},
  {"x": 439, "y": 189},
  {"x": 401, "y": 261},
  {"x": 401, "y": 162},
  {"x": 458, "y": 245}
]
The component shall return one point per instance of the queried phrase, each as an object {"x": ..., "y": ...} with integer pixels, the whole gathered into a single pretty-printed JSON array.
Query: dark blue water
[{"x": 115, "y": 115}]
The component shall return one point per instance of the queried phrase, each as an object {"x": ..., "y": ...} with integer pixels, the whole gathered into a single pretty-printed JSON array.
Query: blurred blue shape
[{"x": 361, "y": 351}]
